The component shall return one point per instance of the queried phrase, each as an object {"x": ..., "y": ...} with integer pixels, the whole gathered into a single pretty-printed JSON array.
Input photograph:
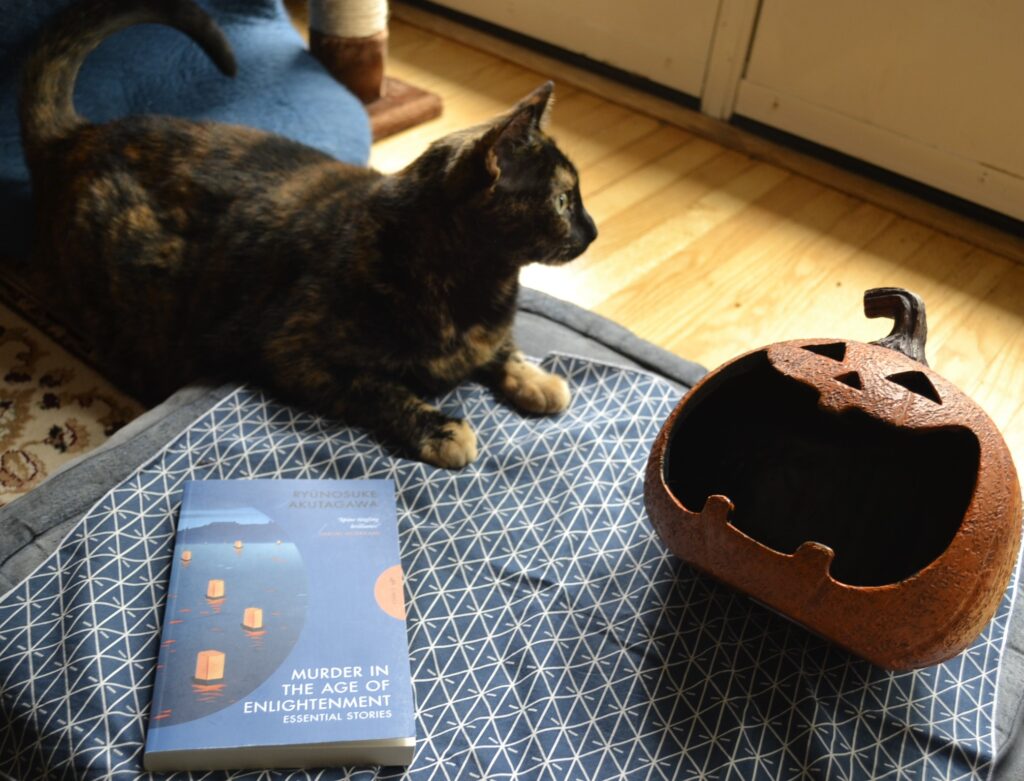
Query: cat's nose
[{"x": 589, "y": 227}]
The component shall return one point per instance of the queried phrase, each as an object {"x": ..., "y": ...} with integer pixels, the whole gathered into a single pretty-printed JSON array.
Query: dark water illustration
[{"x": 209, "y": 633}]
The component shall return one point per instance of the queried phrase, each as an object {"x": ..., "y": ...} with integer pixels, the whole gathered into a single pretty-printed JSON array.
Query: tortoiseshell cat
[{"x": 187, "y": 248}]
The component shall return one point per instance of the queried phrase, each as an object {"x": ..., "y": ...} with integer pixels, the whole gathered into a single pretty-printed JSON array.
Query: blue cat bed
[{"x": 150, "y": 69}]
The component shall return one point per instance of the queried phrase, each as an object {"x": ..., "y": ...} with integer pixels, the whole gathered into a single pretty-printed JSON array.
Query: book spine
[{"x": 161, "y": 682}]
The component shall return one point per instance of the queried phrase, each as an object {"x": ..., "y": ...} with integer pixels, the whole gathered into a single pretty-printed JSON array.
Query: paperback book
[{"x": 283, "y": 642}]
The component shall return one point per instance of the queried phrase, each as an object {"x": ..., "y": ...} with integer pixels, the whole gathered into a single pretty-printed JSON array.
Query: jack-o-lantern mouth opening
[{"x": 888, "y": 500}]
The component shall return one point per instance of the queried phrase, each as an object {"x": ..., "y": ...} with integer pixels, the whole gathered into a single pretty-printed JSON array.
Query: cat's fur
[{"x": 194, "y": 248}]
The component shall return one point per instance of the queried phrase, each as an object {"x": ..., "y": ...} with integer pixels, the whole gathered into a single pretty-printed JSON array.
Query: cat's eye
[{"x": 561, "y": 202}]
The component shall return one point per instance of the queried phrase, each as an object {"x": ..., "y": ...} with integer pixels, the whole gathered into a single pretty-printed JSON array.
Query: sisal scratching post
[{"x": 350, "y": 38}]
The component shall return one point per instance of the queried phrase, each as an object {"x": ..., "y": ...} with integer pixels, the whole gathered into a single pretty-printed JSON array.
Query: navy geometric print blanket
[{"x": 552, "y": 637}]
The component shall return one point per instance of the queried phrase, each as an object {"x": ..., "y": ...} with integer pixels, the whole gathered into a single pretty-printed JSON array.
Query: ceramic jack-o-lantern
[{"x": 846, "y": 486}]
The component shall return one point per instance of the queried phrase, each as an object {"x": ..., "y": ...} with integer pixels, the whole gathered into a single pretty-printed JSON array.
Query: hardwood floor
[{"x": 710, "y": 253}]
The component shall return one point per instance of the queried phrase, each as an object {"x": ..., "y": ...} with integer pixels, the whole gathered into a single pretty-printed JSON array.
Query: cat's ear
[
  {"x": 490, "y": 152},
  {"x": 514, "y": 131},
  {"x": 537, "y": 105}
]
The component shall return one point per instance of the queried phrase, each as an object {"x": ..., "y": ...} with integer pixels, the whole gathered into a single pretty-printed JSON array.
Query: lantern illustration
[
  {"x": 253, "y": 618},
  {"x": 847, "y": 486},
  {"x": 209, "y": 665}
]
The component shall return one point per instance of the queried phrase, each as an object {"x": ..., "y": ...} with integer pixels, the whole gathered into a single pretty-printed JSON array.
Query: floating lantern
[
  {"x": 186, "y": 555},
  {"x": 215, "y": 588},
  {"x": 209, "y": 665},
  {"x": 238, "y": 545},
  {"x": 278, "y": 542},
  {"x": 253, "y": 618}
]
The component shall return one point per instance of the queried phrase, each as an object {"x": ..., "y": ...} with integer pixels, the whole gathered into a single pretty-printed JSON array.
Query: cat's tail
[{"x": 46, "y": 108}]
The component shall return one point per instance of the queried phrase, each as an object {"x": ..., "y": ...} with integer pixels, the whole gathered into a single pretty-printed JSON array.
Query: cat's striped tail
[{"x": 46, "y": 108}]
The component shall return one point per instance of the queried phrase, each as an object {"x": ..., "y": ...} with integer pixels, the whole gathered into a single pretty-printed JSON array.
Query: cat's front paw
[
  {"x": 534, "y": 390},
  {"x": 452, "y": 446}
]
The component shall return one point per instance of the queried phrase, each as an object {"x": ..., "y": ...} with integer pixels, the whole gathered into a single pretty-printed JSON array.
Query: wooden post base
[
  {"x": 358, "y": 63},
  {"x": 401, "y": 106}
]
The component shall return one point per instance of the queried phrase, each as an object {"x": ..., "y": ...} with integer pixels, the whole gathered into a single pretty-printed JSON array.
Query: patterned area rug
[{"x": 53, "y": 407}]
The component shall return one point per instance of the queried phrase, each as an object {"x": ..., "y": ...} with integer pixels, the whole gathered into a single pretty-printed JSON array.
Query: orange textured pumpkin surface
[{"x": 847, "y": 486}]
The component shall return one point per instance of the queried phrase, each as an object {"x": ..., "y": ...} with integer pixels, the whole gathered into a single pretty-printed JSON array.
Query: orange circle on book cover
[{"x": 388, "y": 592}]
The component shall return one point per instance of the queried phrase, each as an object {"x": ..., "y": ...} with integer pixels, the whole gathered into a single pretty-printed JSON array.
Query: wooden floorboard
[{"x": 710, "y": 252}]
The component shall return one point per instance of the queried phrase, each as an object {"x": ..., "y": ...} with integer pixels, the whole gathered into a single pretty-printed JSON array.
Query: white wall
[
  {"x": 663, "y": 40},
  {"x": 930, "y": 89}
]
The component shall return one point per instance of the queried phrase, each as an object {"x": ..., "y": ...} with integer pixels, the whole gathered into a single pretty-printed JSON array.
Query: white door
[{"x": 932, "y": 89}]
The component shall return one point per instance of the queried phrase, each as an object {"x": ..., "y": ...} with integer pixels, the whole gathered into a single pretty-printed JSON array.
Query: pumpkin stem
[{"x": 910, "y": 329}]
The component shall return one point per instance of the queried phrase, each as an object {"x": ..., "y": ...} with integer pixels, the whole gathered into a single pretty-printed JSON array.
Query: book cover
[{"x": 283, "y": 642}]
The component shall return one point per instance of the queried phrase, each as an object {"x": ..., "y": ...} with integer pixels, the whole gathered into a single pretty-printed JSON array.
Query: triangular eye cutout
[
  {"x": 916, "y": 382},
  {"x": 834, "y": 350},
  {"x": 852, "y": 379}
]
